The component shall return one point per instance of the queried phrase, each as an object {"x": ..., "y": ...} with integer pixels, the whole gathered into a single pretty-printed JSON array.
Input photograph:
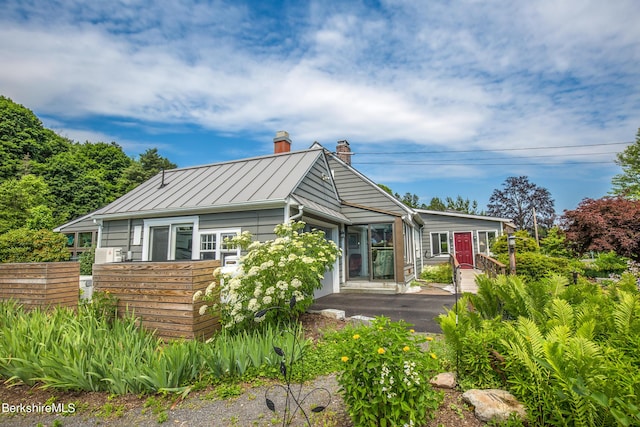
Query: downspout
[
  {"x": 287, "y": 210},
  {"x": 99, "y": 242},
  {"x": 298, "y": 215}
]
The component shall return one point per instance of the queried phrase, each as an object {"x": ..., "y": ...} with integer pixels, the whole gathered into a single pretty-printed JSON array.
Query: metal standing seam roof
[{"x": 259, "y": 179}]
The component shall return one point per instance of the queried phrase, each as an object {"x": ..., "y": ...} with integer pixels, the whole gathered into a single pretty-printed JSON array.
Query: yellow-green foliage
[
  {"x": 25, "y": 245},
  {"x": 569, "y": 352}
]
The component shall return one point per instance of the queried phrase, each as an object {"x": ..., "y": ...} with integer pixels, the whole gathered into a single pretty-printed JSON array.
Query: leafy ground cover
[{"x": 568, "y": 351}]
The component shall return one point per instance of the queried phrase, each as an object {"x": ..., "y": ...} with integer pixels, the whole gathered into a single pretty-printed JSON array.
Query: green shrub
[
  {"x": 534, "y": 265},
  {"x": 441, "y": 273},
  {"x": 25, "y": 245},
  {"x": 555, "y": 244},
  {"x": 86, "y": 261},
  {"x": 606, "y": 264},
  {"x": 385, "y": 376},
  {"x": 524, "y": 243}
]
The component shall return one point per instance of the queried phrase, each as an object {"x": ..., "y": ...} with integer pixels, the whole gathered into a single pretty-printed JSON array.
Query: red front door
[{"x": 464, "y": 249}]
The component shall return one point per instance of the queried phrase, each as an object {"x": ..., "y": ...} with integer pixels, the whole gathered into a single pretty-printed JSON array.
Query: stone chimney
[
  {"x": 344, "y": 152},
  {"x": 281, "y": 143}
]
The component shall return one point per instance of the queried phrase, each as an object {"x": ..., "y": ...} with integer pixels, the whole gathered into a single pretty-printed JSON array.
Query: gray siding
[
  {"x": 260, "y": 223},
  {"x": 451, "y": 224},
  {"x": 353, "y": 188},
  {"x": 115, "y": 234},
  {"x": 317, "y": 189}
]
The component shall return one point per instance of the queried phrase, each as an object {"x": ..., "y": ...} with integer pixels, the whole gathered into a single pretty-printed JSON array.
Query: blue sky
[{"x": 459, "y": 95}]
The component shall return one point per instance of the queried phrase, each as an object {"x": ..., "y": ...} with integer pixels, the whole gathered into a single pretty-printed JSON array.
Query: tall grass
[{"x": 66, "y": 350}]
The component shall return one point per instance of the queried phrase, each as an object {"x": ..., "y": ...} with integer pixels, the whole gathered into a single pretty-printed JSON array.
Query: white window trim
[
  {"x": 478, "y": 239},
  {"x": 449, "y": 243},
  {"x": 159, "y": 222},
  {"x": 219, "y": 232}
]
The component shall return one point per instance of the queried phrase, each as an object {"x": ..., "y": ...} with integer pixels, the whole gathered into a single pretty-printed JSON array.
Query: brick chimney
[
  {"x": 344, "y": 152},
  {"x": 281, "y": 143}
]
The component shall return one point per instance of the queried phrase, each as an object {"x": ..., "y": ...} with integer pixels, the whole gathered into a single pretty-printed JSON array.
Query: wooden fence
[
  {"x": 40, "y": 284},
  {"x": 160, "y": 294}
]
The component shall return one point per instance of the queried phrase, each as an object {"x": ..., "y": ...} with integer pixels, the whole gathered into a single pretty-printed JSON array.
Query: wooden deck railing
[
  {"x": 491, "y": 267},
  {"x": 455, "y": 268}
]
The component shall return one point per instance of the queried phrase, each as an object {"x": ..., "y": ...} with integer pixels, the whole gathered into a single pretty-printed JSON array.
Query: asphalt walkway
[{"x": 418, "y": 309}]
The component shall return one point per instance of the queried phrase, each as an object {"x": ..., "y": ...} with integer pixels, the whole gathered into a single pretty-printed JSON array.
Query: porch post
[{"x": 398, "y": 250}]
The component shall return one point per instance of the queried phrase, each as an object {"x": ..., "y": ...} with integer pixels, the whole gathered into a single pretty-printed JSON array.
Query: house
[
  {"x": 461, "y": 234},
  {"x": 187, "y": 213}
]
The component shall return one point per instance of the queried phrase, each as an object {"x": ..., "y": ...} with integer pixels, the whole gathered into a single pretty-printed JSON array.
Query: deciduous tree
[
  {"x": 606, "y": 224},
  {"x": 627, "y": 184},
  {"x": 517, "y": 201}
]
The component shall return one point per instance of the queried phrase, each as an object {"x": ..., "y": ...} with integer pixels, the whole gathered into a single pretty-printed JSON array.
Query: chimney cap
[
  {"x": 281, "y": 135},
  {"x": 281, "y": 143}
]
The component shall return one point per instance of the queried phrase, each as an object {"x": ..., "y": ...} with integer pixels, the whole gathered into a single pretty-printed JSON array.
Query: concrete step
[
  {"x": 369, "y": 288},
  {"x": 352, "y": 290}
]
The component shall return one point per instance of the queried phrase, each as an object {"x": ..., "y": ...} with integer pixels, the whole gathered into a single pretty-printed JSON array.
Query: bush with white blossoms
[{"x": 271, "y": 274}]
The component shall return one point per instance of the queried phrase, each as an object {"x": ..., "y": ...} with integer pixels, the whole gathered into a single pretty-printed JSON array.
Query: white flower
[
  {"x": 267, "y": 299},
  {"x": 253, "y": 304},
  {"x": 296, "y": 283},
  {"x": 197, "y": 296},
  {"x": 307, "y": 260},
  {"x": 203, "y": 310},
  {"x": 210, "y": 288}
]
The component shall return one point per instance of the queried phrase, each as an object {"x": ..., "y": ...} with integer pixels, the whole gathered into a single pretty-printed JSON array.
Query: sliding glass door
[{"x": 370, "y": 253}]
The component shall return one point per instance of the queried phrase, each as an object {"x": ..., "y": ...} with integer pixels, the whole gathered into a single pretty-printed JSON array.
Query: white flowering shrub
[{"x": 270, "y": 275}]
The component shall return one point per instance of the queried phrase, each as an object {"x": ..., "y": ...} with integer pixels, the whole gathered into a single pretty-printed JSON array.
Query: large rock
[
  {"x": 493, "y": 404},
  {"x": 333, "y": 313},
  {"x": 361, "y": 320},
  {"x": 444, "y": 380}
]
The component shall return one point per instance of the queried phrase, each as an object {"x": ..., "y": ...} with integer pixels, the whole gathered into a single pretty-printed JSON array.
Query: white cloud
[{"x": 473, "y": 74}]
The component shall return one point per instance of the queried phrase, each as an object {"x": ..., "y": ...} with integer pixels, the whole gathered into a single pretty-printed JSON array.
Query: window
[
  {"x": 169, "y": 239},
  {"x": 85, "y": 239},
  {"x": 439, "y": 244},
  {"x": 408, "y": 244},
  {"x": 485, "y": 240},
  {"x": 213, "y": 245}
]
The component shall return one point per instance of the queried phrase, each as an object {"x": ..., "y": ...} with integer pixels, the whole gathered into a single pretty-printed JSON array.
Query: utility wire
[
  {"x": 526, "y": 157},
  {"x": 492, "y": 150},
  {"x": 418, "y": 163}
]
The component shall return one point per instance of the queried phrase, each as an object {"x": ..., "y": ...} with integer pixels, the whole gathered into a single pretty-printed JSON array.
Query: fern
[
  {"x": 625, "y": 313},
  {"x": 560, "y": 313}
]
